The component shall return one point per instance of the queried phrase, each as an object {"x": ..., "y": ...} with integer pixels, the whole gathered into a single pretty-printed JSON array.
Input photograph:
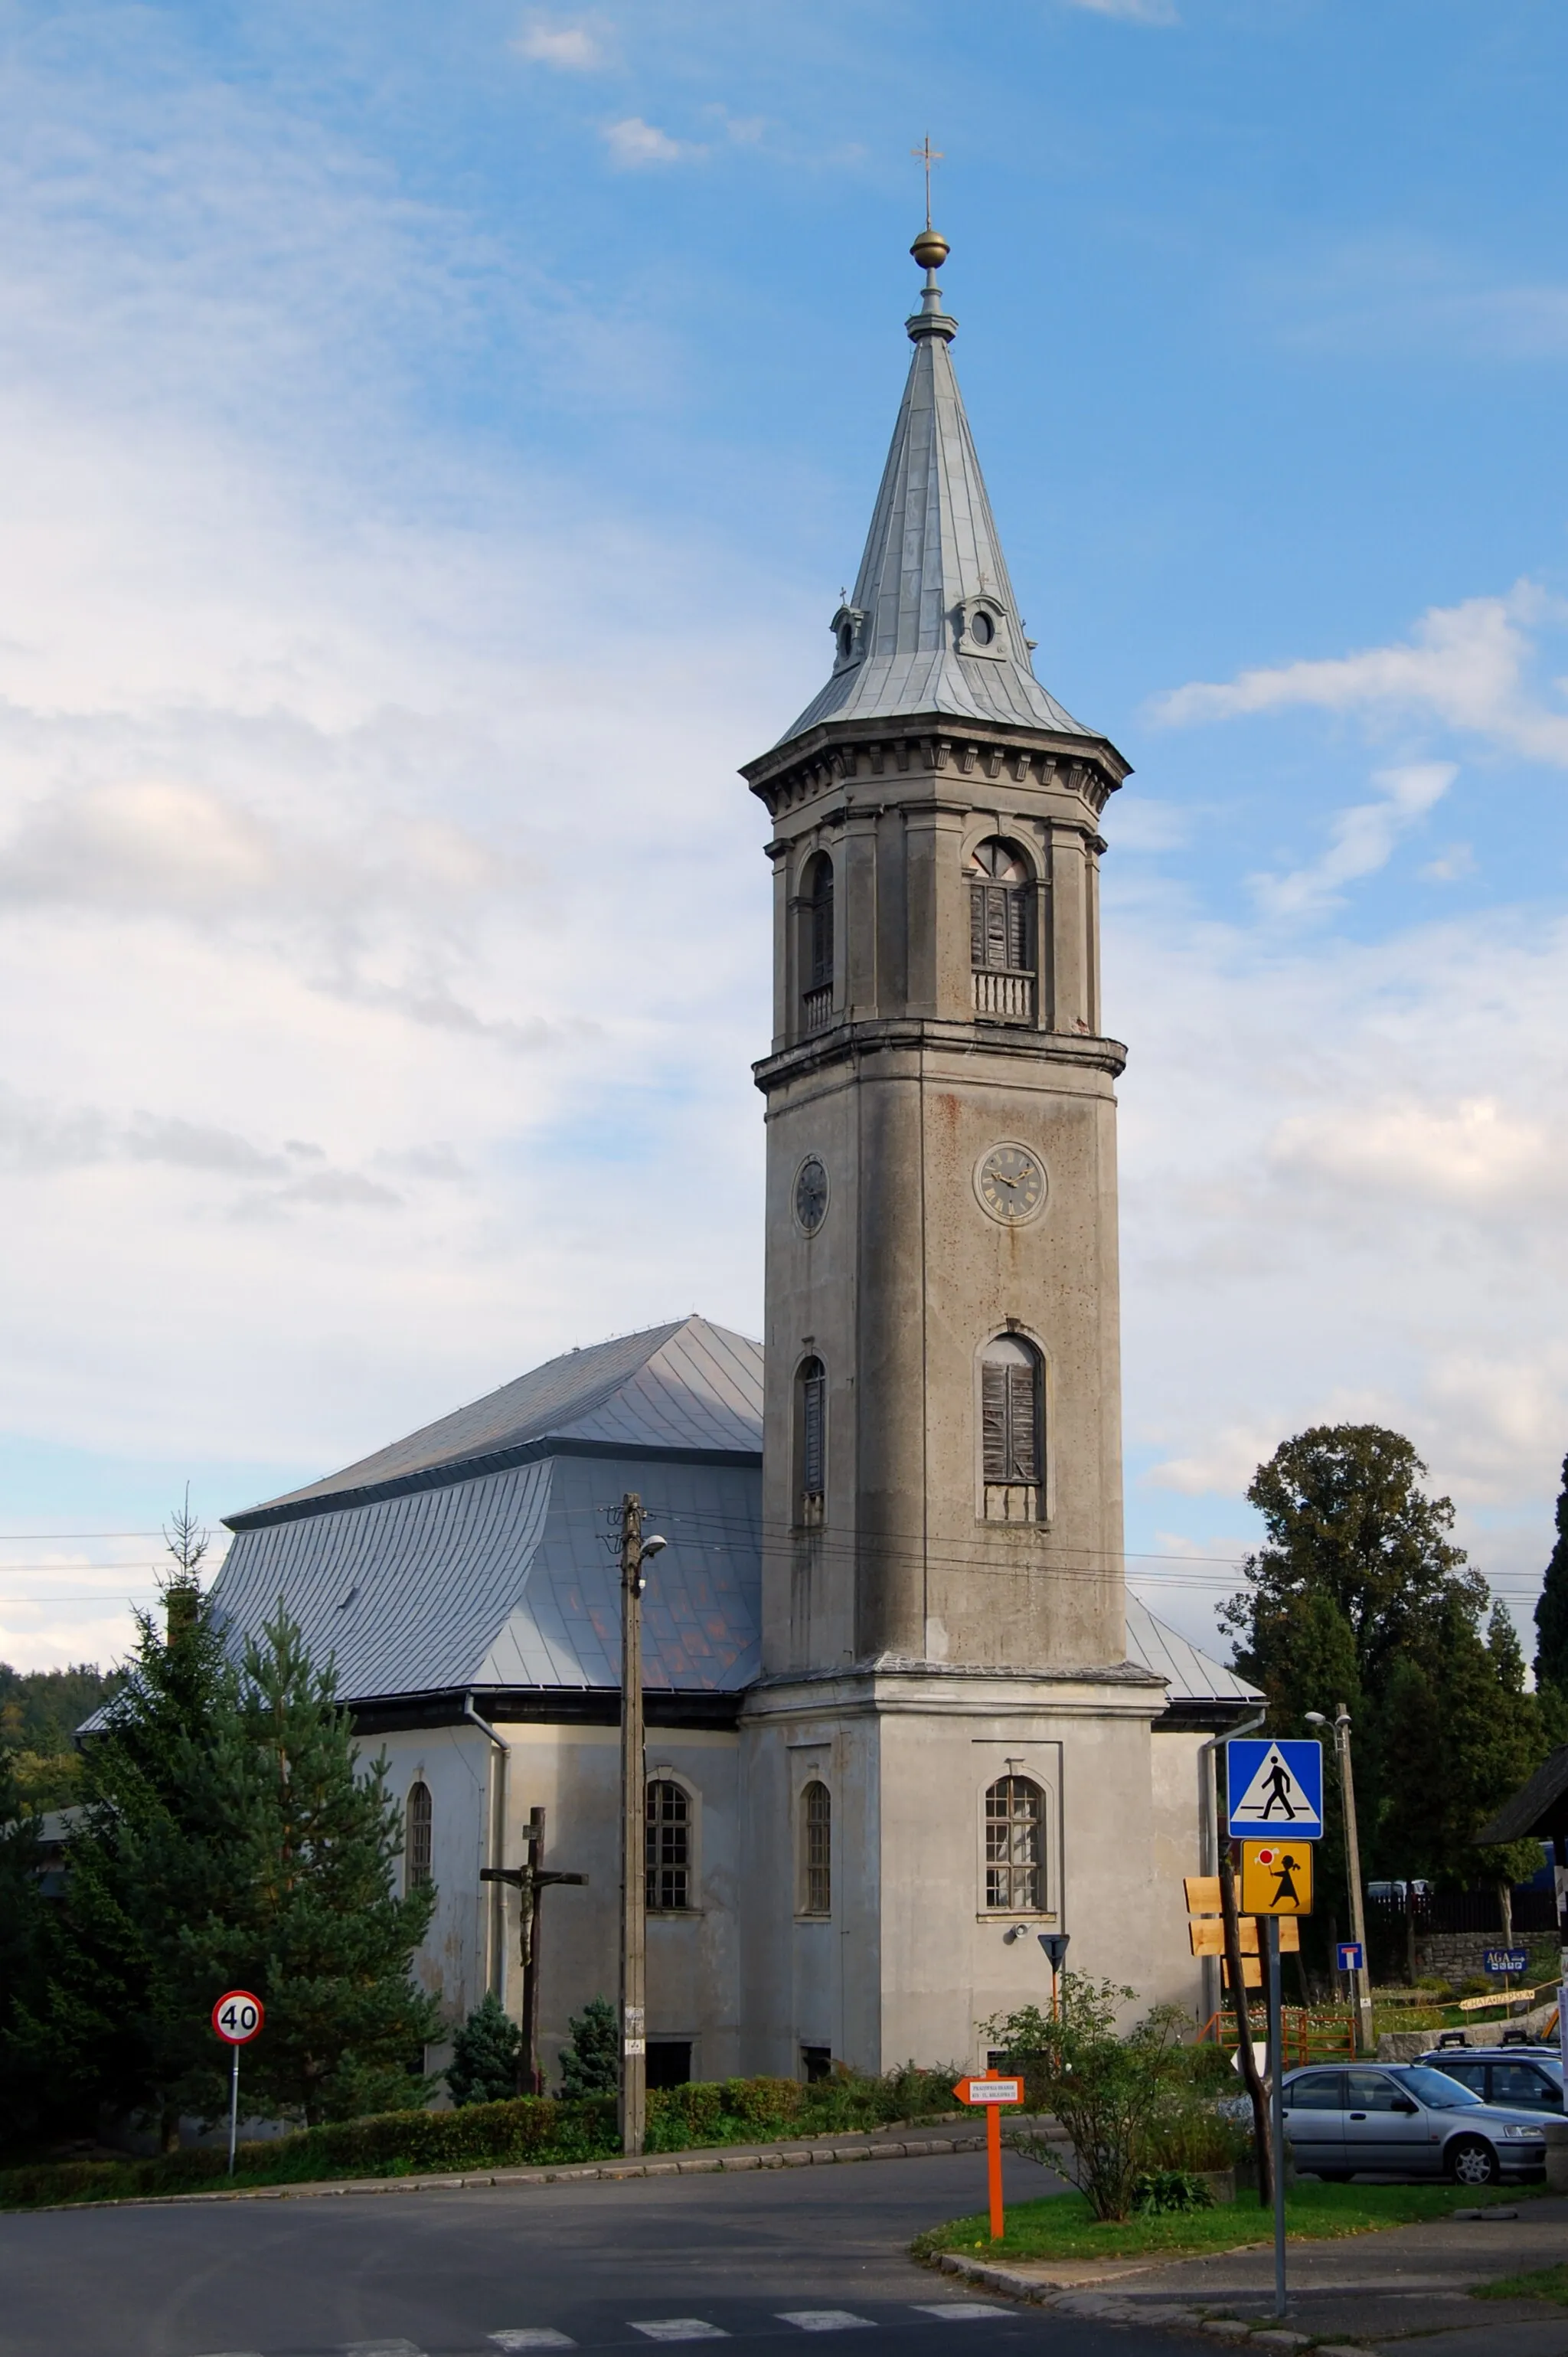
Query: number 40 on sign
[{"x": 237, "y": 2018}]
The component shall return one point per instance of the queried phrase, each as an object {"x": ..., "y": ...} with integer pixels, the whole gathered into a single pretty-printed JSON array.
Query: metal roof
[
  {"x": 690, "y": 1387},
  {"x": 1192, "y": 1676},
  {"x": 512, "y": 1579},
  {"x": 932, "y": 545},
  {"x": 480, "y": 1551}
]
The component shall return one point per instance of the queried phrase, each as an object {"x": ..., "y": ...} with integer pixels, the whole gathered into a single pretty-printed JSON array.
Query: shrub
[
  {"x": 591, "y": 2064},
  {"x": 1111, "y": 2093},
  {"x": 483, "y": 2068},
  {"x": 1158, "y": 2190}
]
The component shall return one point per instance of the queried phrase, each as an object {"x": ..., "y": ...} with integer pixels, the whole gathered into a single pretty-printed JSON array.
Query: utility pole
[
  {"x": 634, "y": 1550},
  {"x": 1366, "y": 2043}
]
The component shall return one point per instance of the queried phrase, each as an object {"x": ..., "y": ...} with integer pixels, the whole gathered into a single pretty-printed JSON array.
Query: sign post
[
  {"x": 1276, "y": 1879},
  {"x": 992, "y": 2092},
  {"x": 237, "y": 2018}
]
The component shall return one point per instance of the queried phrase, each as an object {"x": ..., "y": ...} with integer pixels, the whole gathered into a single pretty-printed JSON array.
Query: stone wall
[{"x": 1461, "y": 1956}]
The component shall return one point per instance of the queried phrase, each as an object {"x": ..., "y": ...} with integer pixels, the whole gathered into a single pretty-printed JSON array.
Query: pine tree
[
  {"x": 591, "y": 2064},
  {"x": 148, "y": 1862},
  {"x": 483, "y": 2068},
  {"x": 23, "y": 2087},
  {"x": 322, "y": 1935},
  {"x": 1551, "y": 1607}
]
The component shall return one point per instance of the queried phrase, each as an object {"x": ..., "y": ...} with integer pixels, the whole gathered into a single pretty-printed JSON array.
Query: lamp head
[
  {"x": 653, "y": 1545},
  {"x": 1314, "y": 1718}
]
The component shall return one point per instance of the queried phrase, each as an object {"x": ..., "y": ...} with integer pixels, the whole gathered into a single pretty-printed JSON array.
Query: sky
[{"x": 433, "y": 442}]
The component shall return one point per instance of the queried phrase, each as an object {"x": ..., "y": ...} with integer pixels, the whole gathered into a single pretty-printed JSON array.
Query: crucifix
[
  {"x": 530, "y": 1882},
  {"x": 927, "y": 155}
]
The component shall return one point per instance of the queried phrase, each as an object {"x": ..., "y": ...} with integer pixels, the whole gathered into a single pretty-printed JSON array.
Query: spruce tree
[
  {"x": 1551, "y": 1610},
  {"x": 322, "y": 1936},
  {"x": 23, "y": 1923},
  {"x": 483, "y": 2068},
  {"x": 591, "y": 2064}
]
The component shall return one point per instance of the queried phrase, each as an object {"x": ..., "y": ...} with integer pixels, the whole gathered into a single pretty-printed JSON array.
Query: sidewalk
[{"x": 1372, "y": 2290}]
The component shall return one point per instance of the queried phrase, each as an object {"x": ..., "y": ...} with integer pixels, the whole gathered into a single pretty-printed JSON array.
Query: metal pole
[
  {"x": 633, "y": 1838},
  {"x": 1277, "y": 2109},
  {"x": 1365, "y": 2042},
  {"x": 234, "y": 2108}
]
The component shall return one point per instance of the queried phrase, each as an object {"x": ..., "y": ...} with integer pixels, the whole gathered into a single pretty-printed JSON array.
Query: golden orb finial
[{"x": 930, "y": 249}]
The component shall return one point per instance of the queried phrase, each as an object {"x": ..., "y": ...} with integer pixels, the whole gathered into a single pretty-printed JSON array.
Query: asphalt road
[{"x": 775, "y": 2257}]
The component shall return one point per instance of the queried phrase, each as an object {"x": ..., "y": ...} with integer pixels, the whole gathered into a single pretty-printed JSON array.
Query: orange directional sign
[
  {"x": 990, "y": 2094},
  {"x": 1276, "y": 1877},
  {"x": 990, "y": 2090}
]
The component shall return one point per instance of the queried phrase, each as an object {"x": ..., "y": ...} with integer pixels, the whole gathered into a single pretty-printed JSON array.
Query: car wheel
[{"x": 1472, "y": 2161}]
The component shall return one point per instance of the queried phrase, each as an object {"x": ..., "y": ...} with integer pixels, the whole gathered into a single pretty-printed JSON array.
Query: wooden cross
[{"x": 927, "y": 155}]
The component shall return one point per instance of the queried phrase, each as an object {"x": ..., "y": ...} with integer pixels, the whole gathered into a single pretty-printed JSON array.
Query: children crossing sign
[{"x": 1275, "y": 1788}]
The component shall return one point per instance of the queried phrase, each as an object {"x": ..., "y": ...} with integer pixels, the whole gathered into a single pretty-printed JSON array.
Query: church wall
[
  {"x": 453, "y": 1763},
  {"x": 1177, "y": 1977}
]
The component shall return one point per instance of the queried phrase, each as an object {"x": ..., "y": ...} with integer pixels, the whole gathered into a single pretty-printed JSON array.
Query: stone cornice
[
  {"x": 886, "y": 1034},
  {"x": 933, "y": 746}
]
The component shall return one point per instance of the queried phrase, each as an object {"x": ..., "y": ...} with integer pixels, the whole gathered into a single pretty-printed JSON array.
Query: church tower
[{"x": 946, "y": 1726}]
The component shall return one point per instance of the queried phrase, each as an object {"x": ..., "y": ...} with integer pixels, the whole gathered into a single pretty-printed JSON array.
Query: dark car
[
  {"x": 1518, "y": 2078},
  {"x": 1406, "y": 2119}
]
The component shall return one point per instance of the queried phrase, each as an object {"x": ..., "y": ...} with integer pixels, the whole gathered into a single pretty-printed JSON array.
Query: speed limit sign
[{"x": 237, "y": 2017}]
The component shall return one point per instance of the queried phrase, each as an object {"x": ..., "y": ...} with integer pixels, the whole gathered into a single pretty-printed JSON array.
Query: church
[{"x": 902, "y": 1714}]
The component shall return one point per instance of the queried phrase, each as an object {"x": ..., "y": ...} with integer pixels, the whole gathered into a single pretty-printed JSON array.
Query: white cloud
[
  {"x": 634, "y": 144},
  {"x": 1226, "y": 1461},
  {"x": 1450, "y": 866},
  {"x": 1473, "y": 1152},
  {"x": 1465, "y": 667},
  {"x": 573, "y": 48},
  {"x": 1363, "y": 840},
  {"x": 1132, "y": 12}
]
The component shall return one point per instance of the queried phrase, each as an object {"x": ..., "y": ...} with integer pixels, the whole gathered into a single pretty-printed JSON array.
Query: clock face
[
  {"x": 810, "y": 1195},
  {"x": 1010, "y": 1184}
]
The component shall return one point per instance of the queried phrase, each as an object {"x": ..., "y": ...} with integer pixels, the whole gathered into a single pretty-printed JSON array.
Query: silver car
[{"x": 1406, "y": 2120}]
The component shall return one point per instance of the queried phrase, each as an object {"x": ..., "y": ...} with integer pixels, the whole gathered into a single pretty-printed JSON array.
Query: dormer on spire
[{"x": 932, "y": 625}]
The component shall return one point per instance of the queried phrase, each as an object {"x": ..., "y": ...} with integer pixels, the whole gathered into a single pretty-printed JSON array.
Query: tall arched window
[
  {"x": 817, "y": 944},
  {"x": 667, "y": 1846},
  {"x": 810, "y": 1440},
  {"x": 417, "y": 1831},
  {"x": 1012, "y": 1430},
  {"x": 1016, "y": 1846},
  {"x": 816, "y": 1850},
  {"x": 1001, "y": 935}
]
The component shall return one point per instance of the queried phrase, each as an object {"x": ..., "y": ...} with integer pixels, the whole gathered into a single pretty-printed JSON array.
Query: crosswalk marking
[
  {"x": 382, "y": 2349},
  {"x": 532, "y": 2336},
  {"x": 954, "y": 2312},
  {"x": 821, "y": 2320},
  {"x": 679, "y": 2328}
]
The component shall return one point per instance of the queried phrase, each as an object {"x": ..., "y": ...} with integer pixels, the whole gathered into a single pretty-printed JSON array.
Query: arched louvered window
[
  {"x": 811, "y": 1440},
  {"x": 1012, "y": 1413},
  {"x": 417, "y": 1837},
  {"x": 816, "y": 1850},
  {"x": 667, "y": 1846},
  {"x": 1016, "y": 1846},
  {"x": 817, "y": 944},
  {"x": 1001, "y": 931}
]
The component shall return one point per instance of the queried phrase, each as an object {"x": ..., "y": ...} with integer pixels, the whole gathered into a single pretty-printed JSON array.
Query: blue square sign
[
  {"x": 1275, "y": 1788},
  {"x": 1348, "y": 1953}
]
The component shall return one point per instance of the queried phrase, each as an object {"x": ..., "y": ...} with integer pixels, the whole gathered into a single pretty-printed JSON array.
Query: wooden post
[
  {"x": 532, "y": 1896},
  {"x": 1361, "y": 1980},
  {"x": 633, "y": 1839}
]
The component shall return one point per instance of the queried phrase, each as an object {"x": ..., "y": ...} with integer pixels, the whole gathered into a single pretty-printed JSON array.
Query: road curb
[{"x": 706, "y": 2162}]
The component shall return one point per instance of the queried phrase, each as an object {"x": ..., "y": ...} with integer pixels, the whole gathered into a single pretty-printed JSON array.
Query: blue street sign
[
  {"x": 1350, "y": 1954},
  {"x": 1275, "y": 1788},
  {"x": 1506, "y": 1960}
]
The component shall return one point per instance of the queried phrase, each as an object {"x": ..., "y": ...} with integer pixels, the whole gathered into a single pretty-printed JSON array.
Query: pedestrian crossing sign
[
  {"x": 1275, "y": 1788},
  {"x": 1276, "y": 1877}
]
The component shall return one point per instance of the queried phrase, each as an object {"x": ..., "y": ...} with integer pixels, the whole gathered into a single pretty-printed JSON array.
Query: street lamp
[{"x": 1363, "y": 1978}]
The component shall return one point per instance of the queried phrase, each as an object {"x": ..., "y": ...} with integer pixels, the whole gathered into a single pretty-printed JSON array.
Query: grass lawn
[
  {"x": 1061, "y": 2227},
  {"x": 1546, "y": 2283}
]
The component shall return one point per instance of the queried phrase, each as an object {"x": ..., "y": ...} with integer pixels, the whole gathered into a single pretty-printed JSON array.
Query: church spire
[{"x": 932, "y": 624}]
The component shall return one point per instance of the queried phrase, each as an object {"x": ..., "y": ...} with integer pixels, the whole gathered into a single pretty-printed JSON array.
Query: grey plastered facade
[{"x": 884, "y": 1594}]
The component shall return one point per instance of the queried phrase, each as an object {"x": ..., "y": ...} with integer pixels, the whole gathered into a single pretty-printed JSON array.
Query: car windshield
[{"x": 1435, "y": 2089}]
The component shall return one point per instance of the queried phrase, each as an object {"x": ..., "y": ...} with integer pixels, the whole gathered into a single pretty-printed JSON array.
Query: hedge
[{"x": 533, "y": 2131}]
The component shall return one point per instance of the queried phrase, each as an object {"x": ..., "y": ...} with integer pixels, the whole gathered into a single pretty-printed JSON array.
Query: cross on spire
[{"x": 927, "y": 155}]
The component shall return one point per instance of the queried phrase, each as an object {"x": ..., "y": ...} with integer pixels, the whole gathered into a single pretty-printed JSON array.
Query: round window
[{"x": 981, "y": 629}]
